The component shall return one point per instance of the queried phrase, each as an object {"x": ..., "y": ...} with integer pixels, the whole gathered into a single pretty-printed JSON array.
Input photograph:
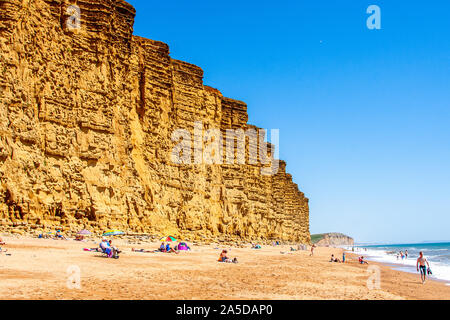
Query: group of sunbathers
[
  {"x": 166, "y": 248},
  {"x": 58, "y": 236}
]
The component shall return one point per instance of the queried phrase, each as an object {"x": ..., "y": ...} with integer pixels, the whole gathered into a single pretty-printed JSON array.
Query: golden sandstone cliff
[{"x": 86, "y": 123}]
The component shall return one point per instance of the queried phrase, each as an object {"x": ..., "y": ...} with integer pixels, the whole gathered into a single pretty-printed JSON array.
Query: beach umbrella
[
  {"x": 84, "y": 232},
  {"x": 168, "y": 239},
  {"x": 113, "y": 233}
]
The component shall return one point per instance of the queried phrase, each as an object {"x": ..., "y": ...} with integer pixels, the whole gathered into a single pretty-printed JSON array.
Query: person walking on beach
[{"x": 421, "y": 261}]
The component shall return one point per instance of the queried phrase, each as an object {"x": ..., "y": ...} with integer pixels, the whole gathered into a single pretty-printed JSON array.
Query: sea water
[{"x": 437, "y": 254}]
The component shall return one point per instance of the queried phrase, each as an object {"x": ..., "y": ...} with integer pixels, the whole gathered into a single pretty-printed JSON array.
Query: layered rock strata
[{"x": 86, "y": 123}]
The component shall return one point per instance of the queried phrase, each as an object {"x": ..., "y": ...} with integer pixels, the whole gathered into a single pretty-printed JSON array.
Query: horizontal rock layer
[{"x": 86, "y": 118}]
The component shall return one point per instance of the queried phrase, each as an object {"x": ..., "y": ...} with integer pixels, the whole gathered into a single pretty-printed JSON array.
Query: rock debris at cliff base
[{"x": 86, "y": 118}]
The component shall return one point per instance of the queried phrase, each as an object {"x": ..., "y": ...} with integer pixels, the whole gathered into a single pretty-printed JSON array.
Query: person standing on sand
[
  {"x": 421, "y": 261},
  {"x": 312, "y": 250}
]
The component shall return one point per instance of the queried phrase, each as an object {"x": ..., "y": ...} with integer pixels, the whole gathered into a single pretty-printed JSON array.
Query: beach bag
[{"x": 429, "y": 271}]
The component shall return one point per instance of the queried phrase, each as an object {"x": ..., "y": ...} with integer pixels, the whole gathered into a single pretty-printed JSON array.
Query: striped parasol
[
  {"x": 113, "y": 233},
  {"x": 168, "y": 239}
]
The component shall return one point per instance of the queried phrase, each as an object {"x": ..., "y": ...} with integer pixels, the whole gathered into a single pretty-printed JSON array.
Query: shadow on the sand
[{"x": 104, "y": 256}]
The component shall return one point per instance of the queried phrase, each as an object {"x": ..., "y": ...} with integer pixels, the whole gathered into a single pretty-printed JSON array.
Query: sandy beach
[{"x": 37, "y": 269}]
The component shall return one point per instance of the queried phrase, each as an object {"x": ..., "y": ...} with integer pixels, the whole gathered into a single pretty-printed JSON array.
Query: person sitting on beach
[
  {"x": 104, "y": 244},
  {"x": 44, "y": 236},
  {"x": 79, "y": 237},
  {"x": 333, "y": 259},
  {"x": 169, "y": 249},
  {"x": 162, "y": 247},
  {"x": 116, "y": 250},
  {"x": 106, "y": 248},
  {"x": 362, "y": 261},
  {"x": 2, "y": 243},
  {"x": 224, "y": 258},
  {"x": 59, "y": 236}
]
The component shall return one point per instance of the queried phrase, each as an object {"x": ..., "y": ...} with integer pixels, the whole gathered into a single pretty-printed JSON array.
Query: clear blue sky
[{"x": 364, "y": 115}]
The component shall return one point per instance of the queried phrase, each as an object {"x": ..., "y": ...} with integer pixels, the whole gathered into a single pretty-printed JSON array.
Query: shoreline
[
  {"x": 409, "y": 277},
  {"x": 402, "y": 265},
  {"x": 37, "y": 270},
  {"x": 397, "y": 267}
]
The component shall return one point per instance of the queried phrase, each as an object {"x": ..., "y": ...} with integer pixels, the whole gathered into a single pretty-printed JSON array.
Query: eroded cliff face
[
  {"x": 86, "y": 118},
  {"x": 335, "y": 239}
]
